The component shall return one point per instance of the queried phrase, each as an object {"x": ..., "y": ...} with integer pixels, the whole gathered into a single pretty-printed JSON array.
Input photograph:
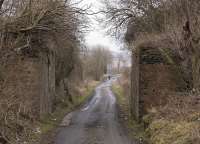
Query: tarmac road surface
[{"x": 95, "y": 123}]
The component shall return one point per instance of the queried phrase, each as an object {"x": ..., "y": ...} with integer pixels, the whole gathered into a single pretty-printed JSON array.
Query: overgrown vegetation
[
  {"x": 170, "y": 24},
  {"x": 39, "y": 57},
  {"x": 161, "y": 25},
  {"x": 45, "y": 71},
  {"x": 177, "y": 122}
]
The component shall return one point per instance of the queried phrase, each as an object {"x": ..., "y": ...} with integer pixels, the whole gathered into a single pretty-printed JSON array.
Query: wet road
[{"x": 95, "y": 123}]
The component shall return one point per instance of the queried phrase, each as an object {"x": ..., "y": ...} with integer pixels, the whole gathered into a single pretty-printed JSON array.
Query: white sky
[{"x": 98, "y": 35}]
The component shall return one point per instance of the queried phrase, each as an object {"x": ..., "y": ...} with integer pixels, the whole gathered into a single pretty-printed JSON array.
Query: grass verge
[
  {"x": 135, "y": 130},
  {"x": 163, "y": 131},
  {"x": 49, "y": 123},
  {"x": 174, "y": 124},
  {"x": 162, "y": 126}
]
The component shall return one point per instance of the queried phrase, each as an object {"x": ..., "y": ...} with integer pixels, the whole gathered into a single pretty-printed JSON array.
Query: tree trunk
[{"x": 1, "y": 3}]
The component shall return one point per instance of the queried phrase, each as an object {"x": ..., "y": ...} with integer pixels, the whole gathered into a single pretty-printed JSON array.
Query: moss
[
  {"x": 89, "y": 90},
  {"x": 167, "y": 55},
  {"x": 119, "y": 94},
  {"x": 147, "y": 119},
  {"x": 51, "y": 121},
  {"x": 137, "y": 130}
]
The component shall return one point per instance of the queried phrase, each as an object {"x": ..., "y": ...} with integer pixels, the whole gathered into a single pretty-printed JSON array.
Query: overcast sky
[{"x": 97, "y": 35}]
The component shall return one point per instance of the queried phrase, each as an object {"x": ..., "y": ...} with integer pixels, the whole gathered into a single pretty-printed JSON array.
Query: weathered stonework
[
  {"x": 31, "y": 79},
  {"x": 154, "y": 78}
]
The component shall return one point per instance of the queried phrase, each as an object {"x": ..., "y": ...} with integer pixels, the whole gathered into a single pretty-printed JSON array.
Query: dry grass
[
  {"x": 172, "y": 132},
  {"x": 176, "y": 123},
  {"x": 181, "y": 106}
]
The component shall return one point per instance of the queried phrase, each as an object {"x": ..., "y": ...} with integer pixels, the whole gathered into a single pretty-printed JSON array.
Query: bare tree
[
  {"x": 130, "y": 13},
  {"x": 97, "y": 62}
]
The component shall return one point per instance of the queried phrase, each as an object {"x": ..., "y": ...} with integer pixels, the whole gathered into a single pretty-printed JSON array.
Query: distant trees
[{"x": 97, "y": 61}]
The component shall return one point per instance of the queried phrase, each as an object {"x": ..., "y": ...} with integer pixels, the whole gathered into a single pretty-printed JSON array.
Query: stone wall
[
  {"x": 28, "y": 83},
  {"x": 156, "y": 84},
  {"x": 154, "y": 78},
  {"x": 20, "y": 84}
]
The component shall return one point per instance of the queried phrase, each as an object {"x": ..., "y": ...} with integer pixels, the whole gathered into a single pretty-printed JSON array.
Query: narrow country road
[{"x": 95, "y": 123}]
